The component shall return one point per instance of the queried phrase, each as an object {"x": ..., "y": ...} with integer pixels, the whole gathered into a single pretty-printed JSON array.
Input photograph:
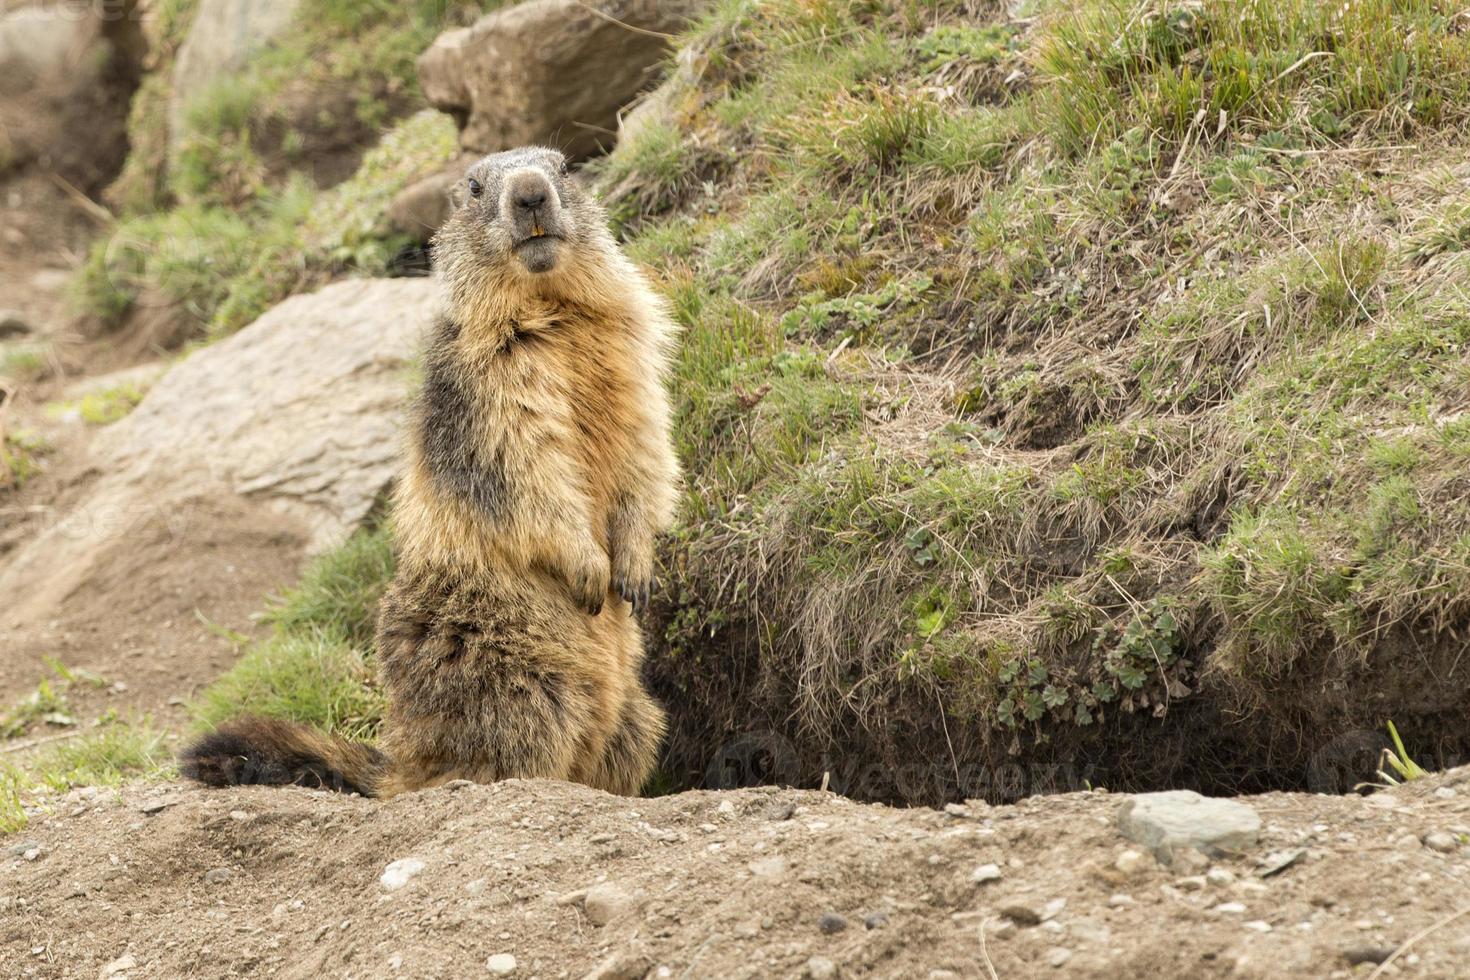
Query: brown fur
[{"x": 539, "y": 474}]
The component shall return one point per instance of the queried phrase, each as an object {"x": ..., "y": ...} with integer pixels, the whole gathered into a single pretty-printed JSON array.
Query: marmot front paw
[
  {"x": 633, "y": 579},
  {"x": 588, "y": 581}
]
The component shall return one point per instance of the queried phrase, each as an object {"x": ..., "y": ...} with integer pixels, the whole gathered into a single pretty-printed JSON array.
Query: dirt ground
[
  {"x": 173, "y": 881},
  {"x": 153, "y": 618}
]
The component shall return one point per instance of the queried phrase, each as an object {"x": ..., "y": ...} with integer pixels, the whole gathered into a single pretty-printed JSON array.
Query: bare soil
[
  {"x": 154, "y": 619},
  {"x": 188, "y": 882}
]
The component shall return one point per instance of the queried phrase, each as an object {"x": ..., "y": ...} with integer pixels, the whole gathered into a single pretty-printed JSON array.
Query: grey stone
[
  {"x": 1182, "y": 820},
  {"x": 298, "y": 415},
  {"x": 820, "y": 968},
  {"x": 218, "y": 876},
  {"x": 401, "y": 872},
  {"x": 501, "y": 964},
  {"x": 1441, "y": 842},
  {"x": 14, "y": 324},
  {"x": 985, "y": 873},
  {"x": 830, "y": 923},
  {"x": 626, "y": 964},
  {"x": 424, "y": 205},
  {"x": 607, "y": 901}
]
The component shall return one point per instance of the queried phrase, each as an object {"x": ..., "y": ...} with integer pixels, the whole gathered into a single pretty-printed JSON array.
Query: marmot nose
[{"x": 530, "y": 200}]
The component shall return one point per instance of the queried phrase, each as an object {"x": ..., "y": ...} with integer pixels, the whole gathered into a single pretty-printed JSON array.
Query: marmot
[{"x": 540, "y": 471}]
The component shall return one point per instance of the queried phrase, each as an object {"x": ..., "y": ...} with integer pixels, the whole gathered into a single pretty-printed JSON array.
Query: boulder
[
  {"x": 221, "y": 38},
  {"x": 420, "y": 208},
  {"x": 554, "y": 72},
  {"x": 296, "y": 415},
  {"x": 1182, "y": 820}
]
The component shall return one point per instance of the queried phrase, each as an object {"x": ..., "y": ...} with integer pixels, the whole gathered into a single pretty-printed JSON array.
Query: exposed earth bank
[{"x": 543, "y": 879}]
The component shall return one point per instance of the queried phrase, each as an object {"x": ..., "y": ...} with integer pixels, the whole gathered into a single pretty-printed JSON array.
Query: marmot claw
[{"x": 636, "y": 594}]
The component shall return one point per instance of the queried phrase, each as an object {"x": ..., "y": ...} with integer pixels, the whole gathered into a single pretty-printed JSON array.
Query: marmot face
[{"x": 520, "y": 213}]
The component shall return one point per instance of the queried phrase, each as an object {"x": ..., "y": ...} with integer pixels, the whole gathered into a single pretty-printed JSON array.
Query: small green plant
[
  {"x": 47, "y": 703},
  {"x": 21, "y": 455},
  {"x": 1399, "y": 760},
  {"x": 107, "y": 756},
  {"x": 103, "y": 407}
]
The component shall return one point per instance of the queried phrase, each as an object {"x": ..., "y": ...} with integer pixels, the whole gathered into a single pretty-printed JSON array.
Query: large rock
[
  {"x": 296, "y": 414},
  {"x": 1179, "y": 820},
  {"x": 420, "y": 208},
  {"x": 555, "y": 72},
  {"x": 222, "y": 37}
]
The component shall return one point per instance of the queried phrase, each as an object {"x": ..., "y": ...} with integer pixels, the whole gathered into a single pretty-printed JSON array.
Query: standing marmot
[{"x": 539, "y": 474}]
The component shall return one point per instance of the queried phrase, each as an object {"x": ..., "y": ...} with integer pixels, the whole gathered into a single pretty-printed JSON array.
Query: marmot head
[{"x": 521, "y": 215}]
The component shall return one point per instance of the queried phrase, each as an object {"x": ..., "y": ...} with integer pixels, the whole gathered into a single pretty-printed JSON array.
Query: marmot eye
[
  {"x": 475, "y": 188},
  {"x": 564, "y": 169}
]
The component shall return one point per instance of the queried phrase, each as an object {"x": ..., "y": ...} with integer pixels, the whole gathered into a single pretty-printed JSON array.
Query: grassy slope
[
  {"x": 1082, "y": 389},
  {"x": 1087, "y": 387}
]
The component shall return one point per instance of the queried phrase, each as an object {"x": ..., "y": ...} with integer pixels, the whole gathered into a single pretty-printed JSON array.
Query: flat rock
[
  {"x": 1182, "y": 820},
  {"x": 420, "y": 208}
]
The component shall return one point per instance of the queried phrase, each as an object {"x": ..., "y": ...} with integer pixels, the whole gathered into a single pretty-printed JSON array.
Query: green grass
[
  {"x": 344, "y": 69},
  {"x": 221, "y": 267},
  {"x": 316, "y": 666},
  {"x": 21, "y": 457},
  {"x": 115, "y": 752},
  {"x": 103, "y": 407}
]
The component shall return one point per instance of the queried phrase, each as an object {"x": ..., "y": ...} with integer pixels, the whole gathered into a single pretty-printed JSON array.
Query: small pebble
[
  {"x": 1230, "y": 908},
  {"x": 984, "y": 873},
  {"x": 1058, "y": 955},
  {"x": 875, "y": 920},
  {"x": 1120, "y": 901},
  {"x": 1258, "y": 925},
  {"x": 501, "y": 964},
  {"x": 400, "y": 873},
  {"x": 218, "y": 876},
  {"x": 831, "y": 922},
  {"x": 820, "y": 968},
  {"x": 1220, "y": 877},
  {"x": 1131, "y": 862},
  {"x": 1441, "y": 842}
]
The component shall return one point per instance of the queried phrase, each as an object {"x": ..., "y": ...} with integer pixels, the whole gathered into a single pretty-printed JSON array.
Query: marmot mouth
[{"x": 543, "y": 237}]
